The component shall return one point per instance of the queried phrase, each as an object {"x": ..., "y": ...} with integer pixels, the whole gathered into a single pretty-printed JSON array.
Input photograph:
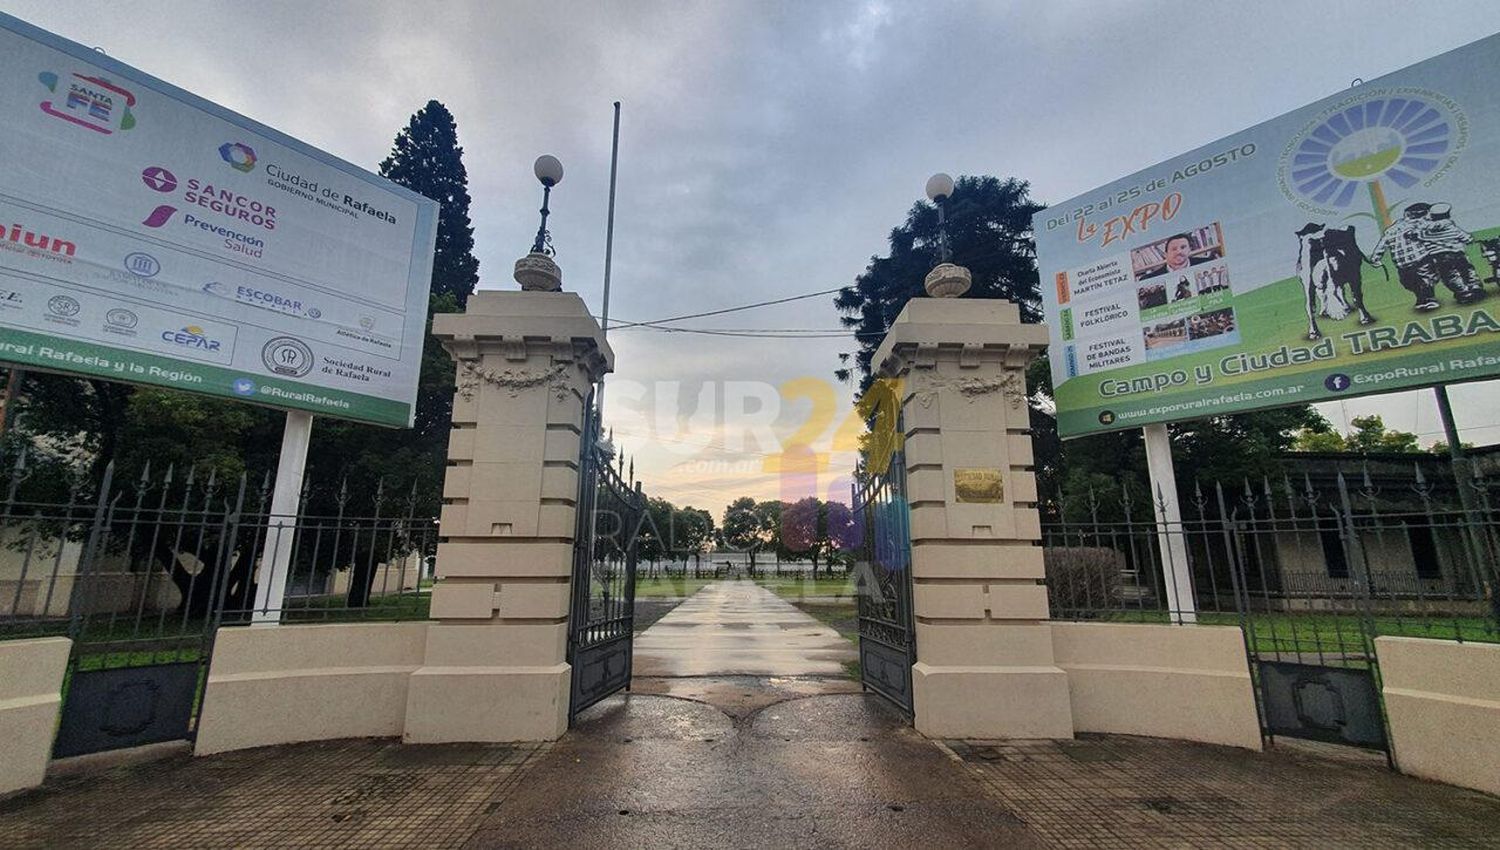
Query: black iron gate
[
  {"x": 1315, "y": 669},
  {"x": 601, "y": 619},
  {"x": 887, "y": 640},
  {"x": 137, "y": 668}
]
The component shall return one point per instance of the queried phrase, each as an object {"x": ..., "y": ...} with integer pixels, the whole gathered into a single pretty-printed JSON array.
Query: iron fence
[
  {"x": 1307, "y": 559},
  {"x": 141, "y": 571},
  {"x": 139, "y": 568},
  {"x": 1312, "y": 571}
]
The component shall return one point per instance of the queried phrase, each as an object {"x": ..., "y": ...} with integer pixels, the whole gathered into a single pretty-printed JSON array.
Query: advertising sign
[
  {"x": 1349, "y": 247},
  {"x": 149, "y": 236}
]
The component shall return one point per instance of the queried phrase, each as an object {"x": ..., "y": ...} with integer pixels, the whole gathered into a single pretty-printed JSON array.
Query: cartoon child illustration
[
  {"x": 1410, "y": 256},
  {"x": 1448, "y": 259}
]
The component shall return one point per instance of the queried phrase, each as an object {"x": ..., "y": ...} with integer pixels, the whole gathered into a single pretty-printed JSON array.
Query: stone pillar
[
  {"x": 495, "y": 667},
  {"x": 984, "y": 666}
]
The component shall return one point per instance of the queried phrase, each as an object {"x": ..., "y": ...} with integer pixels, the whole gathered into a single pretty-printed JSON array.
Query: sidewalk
[{"x": 777, "y": 758}]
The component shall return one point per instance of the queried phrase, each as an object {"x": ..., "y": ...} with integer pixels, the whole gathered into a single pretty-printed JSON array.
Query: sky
[{"x": 766, "y": 151}]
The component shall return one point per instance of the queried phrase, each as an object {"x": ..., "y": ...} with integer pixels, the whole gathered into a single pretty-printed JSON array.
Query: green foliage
[
  {"x": 744, "y": 527},
  {"x": 989, "y": 232},
  {"x": 670, "y": 532},
  {"x": 426, "y": 158},
  {"x": 814, "y": 529},
  {"x": 1369, "y": 436}
]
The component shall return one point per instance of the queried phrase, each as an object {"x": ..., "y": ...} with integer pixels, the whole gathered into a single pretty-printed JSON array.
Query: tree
[
  {"x": 655, "y": 542},
  {"x": 693, "y": 531},
  {"x": 744, "y": 528},
  {"x": 769, "y": 513},
  {"x": 426, "y": 158},
  {"x": 989, "y": 232},
  {"x": 1369, "y": 435},
  {"x": 814, "y": 529}
]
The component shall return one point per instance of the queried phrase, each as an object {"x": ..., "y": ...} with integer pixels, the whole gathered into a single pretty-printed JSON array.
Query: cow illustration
[{"x": 1328, "y": 262}]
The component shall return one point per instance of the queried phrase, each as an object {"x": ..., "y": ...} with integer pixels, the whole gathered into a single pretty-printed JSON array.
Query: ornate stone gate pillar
[
  {"x": 495, "y": 666},
  {"x": 984, "y": 647}
]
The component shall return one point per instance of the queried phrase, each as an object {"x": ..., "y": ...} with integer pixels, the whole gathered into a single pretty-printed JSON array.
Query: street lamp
[
  {"x": 537, "y": 271},
  {"x": 939, "y": 190},
  {"x": 549, "y": 172},
  {"x": 946, "y": 280}
]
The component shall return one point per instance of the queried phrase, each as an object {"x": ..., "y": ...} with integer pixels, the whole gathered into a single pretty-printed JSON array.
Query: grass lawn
[
  {"x": 335, "y": 609},
  {"x": 795, "y": 587},
  {"x": 658, "y": 587},
  {"x": 842, "y": 617},
  {"x": 1330, "y": 633}
]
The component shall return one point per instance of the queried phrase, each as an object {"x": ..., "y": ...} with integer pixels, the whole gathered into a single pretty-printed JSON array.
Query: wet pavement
[
  {"x": 783, "y": 759},
  {"x": 833, "y": 770},
  {"x": 739, "y": 628}
]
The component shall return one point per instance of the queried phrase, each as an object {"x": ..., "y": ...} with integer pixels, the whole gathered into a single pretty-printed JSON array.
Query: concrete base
[
  {"x": 487, "y": 704},
  {"x": 1187, "y": 682},
  {"x": 1442, "y": 700},
  {"x": 31, "y": 674},
  {"x": 991, "y": 702},
  {"x": 278, "y": 685}
]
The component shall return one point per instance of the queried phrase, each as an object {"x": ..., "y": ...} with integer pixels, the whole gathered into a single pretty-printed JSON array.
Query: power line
[
  {"x": 767, "y": 333},
  {"x": 728, "y": 309}
]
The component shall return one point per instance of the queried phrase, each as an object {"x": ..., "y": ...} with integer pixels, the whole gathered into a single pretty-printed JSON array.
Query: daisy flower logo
[{"x": 1399, "y": 140}]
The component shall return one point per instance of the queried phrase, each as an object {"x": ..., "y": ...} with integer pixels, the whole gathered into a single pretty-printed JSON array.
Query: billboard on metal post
[
  {"x": 149, "y": 236},
  {"x": 1349, "y": 247}
]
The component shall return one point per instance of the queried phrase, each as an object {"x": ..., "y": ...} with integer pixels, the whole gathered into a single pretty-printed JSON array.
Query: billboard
[
  {"x": 1349, "y": 247},
  {"x": 149, "y": 236}
]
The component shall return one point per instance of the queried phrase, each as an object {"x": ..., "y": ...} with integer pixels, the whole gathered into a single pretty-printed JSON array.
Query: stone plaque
[{"x": 979, "y": 486}]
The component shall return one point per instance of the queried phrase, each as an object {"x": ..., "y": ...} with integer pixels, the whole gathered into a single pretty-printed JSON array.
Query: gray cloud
[{"x": 767, "y": 148}]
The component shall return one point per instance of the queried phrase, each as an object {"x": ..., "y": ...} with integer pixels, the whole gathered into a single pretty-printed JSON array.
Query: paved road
[
  {"x": 781, "y": 758},
  {"x": 739, "y": 628}
]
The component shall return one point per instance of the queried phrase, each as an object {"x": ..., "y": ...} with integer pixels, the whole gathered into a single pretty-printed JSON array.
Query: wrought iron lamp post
[
  {"x": 537, "y": 271},
  {"x": 946, "y": 280}
]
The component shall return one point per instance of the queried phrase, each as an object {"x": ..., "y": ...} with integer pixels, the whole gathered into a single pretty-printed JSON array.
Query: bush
[{"x": 1083, "y": 582}]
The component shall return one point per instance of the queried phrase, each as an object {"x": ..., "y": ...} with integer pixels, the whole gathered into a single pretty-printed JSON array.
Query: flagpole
[{"x": 609, "y": 246}]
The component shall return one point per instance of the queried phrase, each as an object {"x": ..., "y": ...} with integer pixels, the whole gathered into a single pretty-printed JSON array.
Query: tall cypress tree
[{"x": 426, "y": 159}]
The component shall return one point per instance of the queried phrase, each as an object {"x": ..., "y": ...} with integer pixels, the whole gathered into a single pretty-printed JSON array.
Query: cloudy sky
[{"x": 766, "y": 151}]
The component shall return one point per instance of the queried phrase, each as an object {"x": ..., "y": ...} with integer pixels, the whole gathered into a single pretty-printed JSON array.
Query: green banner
[
  {"x": 82, "y": 358},
  {"x": 1347, "y": 248}
]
